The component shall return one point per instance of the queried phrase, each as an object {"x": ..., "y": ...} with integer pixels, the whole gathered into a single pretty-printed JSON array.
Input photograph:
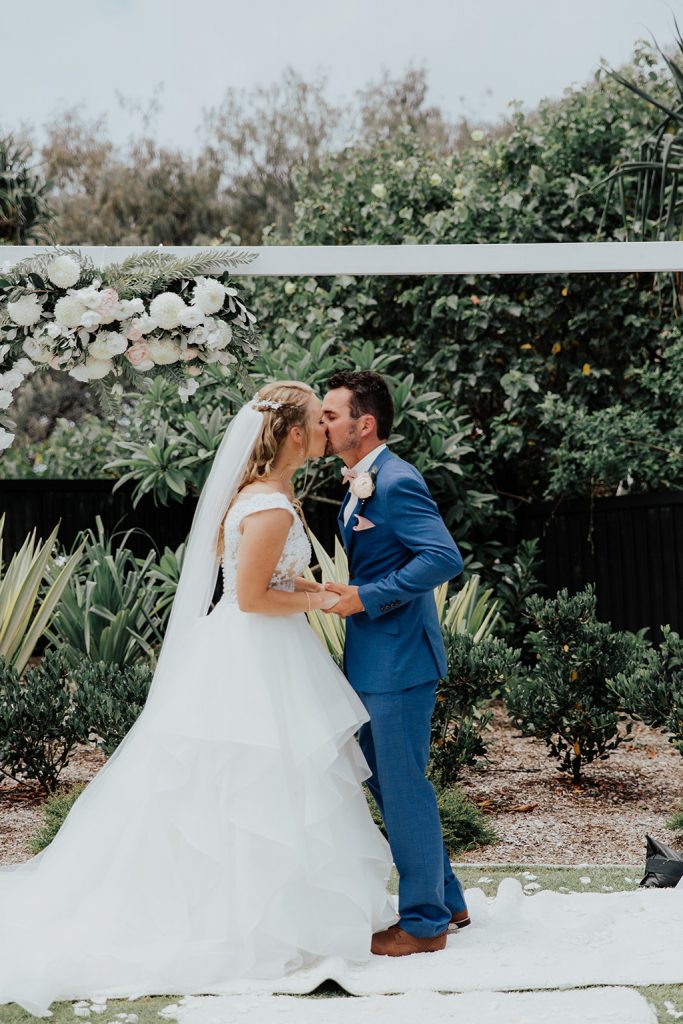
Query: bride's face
[{"x": 317, "y": 437}]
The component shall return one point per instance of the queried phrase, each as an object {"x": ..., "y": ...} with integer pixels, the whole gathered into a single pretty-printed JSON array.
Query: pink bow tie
[{"x": 348, "y": 475}]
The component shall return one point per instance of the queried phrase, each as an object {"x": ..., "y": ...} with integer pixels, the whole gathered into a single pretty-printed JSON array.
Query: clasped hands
[{"x": 344, "y": 599}]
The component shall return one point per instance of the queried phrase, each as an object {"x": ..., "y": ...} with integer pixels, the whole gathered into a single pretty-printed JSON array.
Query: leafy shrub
[
  {"x": 565, "y": 699},
  {"x": 463, "y": 824},
  {"x": 54, "y": 811},
  {"x": 42, "y": 719},
  {"x": 476, "y": 673},
  {"x": 652, "y": 690},
  {"x": 114, "y": 697},
  {"x": 675, "y": 822},
  {"x": 107, "y": 610},
  {"x": 515, "y": 581}
]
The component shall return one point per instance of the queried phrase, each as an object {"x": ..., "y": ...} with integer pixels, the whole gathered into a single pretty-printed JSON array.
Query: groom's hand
[{"x": 349, "y": 602}]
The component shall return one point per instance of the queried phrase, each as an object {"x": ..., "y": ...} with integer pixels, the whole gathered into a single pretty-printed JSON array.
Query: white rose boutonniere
[{"x": 362, "y": 486}]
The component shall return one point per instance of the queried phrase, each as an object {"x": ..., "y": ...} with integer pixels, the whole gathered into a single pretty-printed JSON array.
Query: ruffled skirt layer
[{"x": 227, "y": 836}]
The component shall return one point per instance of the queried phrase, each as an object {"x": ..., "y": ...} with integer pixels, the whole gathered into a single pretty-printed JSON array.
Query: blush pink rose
[
  {"x": 138, "y": 356},
  {"x": 109, "y": 304},
  {"x": 189, "y": 353},
  {"x": 134, "y": 333}
]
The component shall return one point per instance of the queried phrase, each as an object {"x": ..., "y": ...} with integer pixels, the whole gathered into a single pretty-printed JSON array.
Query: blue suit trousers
[{"x": 395, "y": 743}]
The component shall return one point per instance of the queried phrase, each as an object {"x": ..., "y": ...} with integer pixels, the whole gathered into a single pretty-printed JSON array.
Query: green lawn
[{"x": 602, "y": 879}]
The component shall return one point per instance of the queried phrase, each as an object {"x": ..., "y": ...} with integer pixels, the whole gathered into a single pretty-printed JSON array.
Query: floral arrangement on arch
[{"x": 152, "y": 313}]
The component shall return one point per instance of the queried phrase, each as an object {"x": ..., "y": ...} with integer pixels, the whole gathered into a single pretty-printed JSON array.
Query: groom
[{"x": 399, "y": 550}]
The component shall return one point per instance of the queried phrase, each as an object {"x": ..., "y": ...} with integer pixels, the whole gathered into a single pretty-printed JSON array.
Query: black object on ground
[{"x": 663, "y": 866}]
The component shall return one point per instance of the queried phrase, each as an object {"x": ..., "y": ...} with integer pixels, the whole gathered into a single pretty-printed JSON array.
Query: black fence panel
[
  {"x": 76, "y": 503},
  {"x": 630, "y": 547}
]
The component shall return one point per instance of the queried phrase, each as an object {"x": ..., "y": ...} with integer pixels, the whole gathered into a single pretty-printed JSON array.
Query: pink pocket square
[{"x": 363, "y": 524}]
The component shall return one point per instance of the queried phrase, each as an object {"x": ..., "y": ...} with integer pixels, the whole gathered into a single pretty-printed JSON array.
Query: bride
[{"x": 228, "y": 835}]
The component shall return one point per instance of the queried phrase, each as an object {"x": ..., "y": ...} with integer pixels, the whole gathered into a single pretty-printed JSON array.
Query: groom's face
[{"x": 340, "y": 426}]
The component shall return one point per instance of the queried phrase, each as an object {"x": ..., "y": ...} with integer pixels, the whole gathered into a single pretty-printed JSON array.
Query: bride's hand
[{"x": 325, "y": 600}]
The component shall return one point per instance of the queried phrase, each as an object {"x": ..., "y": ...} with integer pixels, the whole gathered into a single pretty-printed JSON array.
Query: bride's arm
[
  {"x": 304, "y": 585},
  {"x": 264, "y": 534}
]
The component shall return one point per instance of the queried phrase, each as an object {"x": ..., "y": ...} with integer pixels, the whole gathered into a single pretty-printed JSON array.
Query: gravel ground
[{"x": 542, "y": 818}]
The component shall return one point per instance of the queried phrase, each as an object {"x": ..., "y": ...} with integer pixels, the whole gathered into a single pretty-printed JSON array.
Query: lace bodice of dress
[{"x": 296, "y": 553}]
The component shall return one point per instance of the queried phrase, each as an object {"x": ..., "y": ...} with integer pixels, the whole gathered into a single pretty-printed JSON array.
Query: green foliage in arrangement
[
  {"x": 652, "y": 689},
  {"x": 108, "y": 610},
  {"x": 565, "y": 699},
  {"x": 42, "y": 719},
  {"x": 476, "y": 673},
  {"x": 114, "y": 696},
  {"x": 54, "y": 811}
]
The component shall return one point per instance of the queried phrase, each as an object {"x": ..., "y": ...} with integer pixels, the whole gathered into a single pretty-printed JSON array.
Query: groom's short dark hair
[{"x": 370, "y": 396}]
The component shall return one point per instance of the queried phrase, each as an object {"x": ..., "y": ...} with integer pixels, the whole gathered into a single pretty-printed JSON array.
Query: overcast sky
[{"x": 479, "y": 54}]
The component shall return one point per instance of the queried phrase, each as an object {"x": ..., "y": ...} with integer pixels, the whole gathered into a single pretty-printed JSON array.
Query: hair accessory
[{"x": 261, "y": 404}]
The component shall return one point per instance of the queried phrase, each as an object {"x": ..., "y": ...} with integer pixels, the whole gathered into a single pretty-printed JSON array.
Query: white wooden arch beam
[{"x": 513, "y": 258}]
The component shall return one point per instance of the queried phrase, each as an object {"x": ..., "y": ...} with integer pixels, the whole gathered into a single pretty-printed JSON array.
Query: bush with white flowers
[{"x": 153, "y": 313}]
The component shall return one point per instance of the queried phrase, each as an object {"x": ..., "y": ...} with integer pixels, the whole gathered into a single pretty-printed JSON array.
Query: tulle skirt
[{"x": 228, "y": 835}]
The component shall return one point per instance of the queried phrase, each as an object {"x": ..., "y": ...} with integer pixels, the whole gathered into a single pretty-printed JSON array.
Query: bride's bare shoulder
[{"x": 251, "y": 489}]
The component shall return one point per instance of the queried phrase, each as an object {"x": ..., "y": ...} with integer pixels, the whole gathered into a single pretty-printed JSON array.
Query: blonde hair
[{"x": 292, "y": 397}]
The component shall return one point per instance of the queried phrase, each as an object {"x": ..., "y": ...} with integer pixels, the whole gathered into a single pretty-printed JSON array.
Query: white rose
[
  {"x": 219, "y": 336},
  {"x": 290, "y": 287},
  {"x": 198, "y": 336},
  {"x": 92, "y": 369},
  {"x": 477, "y": 135},
  {"x": 379, "y": 190},
  {"x": 362, "y": 486},
  {"x": 53, "y": 330},
  {"x": 192, "y": 317},
  {"x": 107, "y": 344},
  {"x": 435, "y": 179},
  {"x": 26, "y": 311},
  {"x": 163, "y": 351},
  {"x": 130, "y": 307},
  {"x": 24, "y": 366},
  {"x": 90, "y": 320},
  {"x": 187, "y": 389},
  {"x": 69, "y": 310},
  {"x": 11, "y": 380},
  {"x": 209, "y": 294},
  {"x": 6, "y": 438},
  {"x": 5, "y": 399},
  {"x": 80, "y": 373},
  {"x": 166, "y": 310},
  {"x": 64, "y": 271},
  {"x": 90, "y": 296}
]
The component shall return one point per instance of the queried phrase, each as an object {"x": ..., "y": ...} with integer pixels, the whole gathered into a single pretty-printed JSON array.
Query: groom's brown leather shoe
[
  {"x": 395, "y": 942},
  {"x": 460, "y": 919}
]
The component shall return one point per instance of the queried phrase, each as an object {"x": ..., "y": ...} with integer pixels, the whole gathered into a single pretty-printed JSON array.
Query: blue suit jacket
[{"x": 396, "y": 642}]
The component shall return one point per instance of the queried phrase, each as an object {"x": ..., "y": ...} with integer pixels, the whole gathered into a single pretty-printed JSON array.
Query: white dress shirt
[{"x": 361, "y": 467}]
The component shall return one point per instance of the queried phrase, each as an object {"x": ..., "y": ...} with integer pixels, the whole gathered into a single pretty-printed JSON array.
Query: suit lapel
[{"x": 362, "y": 505}]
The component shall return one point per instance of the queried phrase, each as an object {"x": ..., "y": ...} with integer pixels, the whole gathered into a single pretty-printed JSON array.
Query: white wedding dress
[{"x": 228, "y": 835}]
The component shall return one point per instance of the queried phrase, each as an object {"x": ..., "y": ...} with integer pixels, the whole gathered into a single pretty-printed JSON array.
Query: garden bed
[
  {"x": 540, "y": 815},
  {"x": 543, "y": 818}
]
